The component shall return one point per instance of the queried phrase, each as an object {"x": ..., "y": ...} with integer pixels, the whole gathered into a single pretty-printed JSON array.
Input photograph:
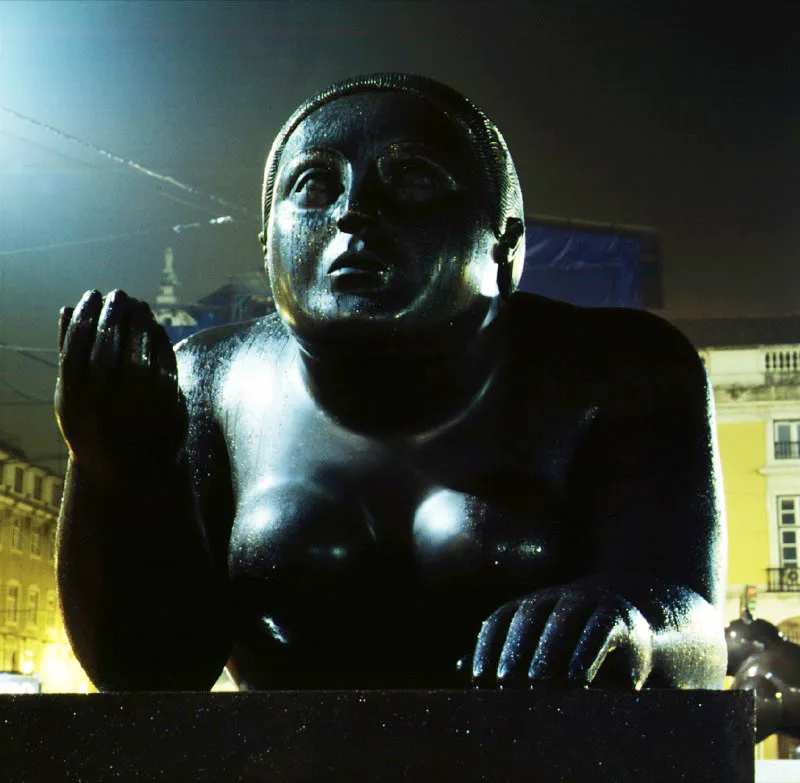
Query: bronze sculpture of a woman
[{"x": 408, "y": 466}]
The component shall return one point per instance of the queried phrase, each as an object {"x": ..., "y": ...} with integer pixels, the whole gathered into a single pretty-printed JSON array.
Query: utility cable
[
  {"x": 179, "y": 228},
  {"x": 132, "y": 164}
]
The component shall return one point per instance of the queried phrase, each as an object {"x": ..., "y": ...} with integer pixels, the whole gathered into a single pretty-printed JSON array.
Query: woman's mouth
[{"x": 358, "y": 273}]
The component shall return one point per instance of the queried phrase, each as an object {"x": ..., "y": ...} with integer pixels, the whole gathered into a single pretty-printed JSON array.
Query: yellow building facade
[
  {"x": 757, "y": 399},
  {"x": 32, "y": 637}
]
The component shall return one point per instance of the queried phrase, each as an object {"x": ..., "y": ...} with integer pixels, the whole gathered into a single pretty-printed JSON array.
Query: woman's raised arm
[{"x": 143, "y": 591}]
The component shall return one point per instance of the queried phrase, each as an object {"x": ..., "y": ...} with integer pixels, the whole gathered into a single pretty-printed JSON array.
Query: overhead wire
[
  {"x": 22, "y": 393},
  {"x": 132, "y": 164},
  {"x": 177, "y": 229},
  {"x": 82, "y": 165},
  {"x": 30, "y": 353}
]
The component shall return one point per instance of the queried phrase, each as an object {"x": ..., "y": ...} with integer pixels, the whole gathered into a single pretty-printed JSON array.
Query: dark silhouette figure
[
  {"x": 408, "y": 466},
  {"x": 763, "y": 660}
]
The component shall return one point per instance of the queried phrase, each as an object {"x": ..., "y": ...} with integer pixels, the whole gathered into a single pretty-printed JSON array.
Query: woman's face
[{"x": 378, "y": 223}]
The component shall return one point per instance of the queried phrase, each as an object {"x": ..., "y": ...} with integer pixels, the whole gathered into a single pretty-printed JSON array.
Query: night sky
[{"x": 650, "y": 114}]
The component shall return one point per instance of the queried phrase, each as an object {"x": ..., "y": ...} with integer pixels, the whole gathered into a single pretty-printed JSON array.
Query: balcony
[
  {"x": 787, "y": 449},
  {"x": 782, "y": 362},
  {"x": 754, "y": 373},
  {"x": 783, "y": 580}
]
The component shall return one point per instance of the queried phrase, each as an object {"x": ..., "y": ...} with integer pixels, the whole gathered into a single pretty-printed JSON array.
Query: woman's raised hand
[{"x": 117, "y": 398}]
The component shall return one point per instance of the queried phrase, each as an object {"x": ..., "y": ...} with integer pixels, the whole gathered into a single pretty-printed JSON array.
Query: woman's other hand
[{"x": 565, "y": 635}]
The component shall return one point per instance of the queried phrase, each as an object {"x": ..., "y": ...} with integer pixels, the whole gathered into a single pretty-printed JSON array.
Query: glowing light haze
[{"x": 683, "y": 120}]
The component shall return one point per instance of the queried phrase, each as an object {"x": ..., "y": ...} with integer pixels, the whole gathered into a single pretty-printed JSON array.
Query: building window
[
  {"x": 11, "y": 659},
  {"x": 55, "y": 496},
  {"x": 38, "y": 486},
  {"x": 51, "y": 537},
  {"x": 33, "y": 605},
  {"x": 19, "y": 479},
  {"x": 789, "y": 530},
  {"x": 12, "y": 602},
  {"x": 787, "y": 439},
  {"x": 52, "y": 608},
  {"x": 36, "y": 543},
  {"x": 16, "y": 534}
]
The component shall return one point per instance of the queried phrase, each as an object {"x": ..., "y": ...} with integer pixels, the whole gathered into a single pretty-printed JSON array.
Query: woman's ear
[{"x": 504, "y": 255}]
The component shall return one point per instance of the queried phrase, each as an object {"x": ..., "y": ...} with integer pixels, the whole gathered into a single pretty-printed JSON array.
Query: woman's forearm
[{"x": 143, "y": 603}]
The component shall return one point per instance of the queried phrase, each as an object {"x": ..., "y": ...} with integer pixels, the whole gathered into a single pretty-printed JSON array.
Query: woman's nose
[
  {"x": 356, "y": 219},
  {"x": 361, "y": 208}
]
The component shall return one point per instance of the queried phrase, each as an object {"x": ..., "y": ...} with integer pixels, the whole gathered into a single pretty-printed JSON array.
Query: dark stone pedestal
[{"x": 539, "y": 735}]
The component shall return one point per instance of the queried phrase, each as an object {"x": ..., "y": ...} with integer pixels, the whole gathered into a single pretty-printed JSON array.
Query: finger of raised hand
[
  {"x": 559, "y": 638},
  {"x": 164, "y": 361},
  {"x": 604, "y": 631},
  {"x": 64, "y": 318},
  {"x": 112, "y": 326},
  {"x": 522, "y": 639},
  {"x": 78, "y": 340},
  {"x": 490, "y": 643},
  {"x": 136, "y": 350}
]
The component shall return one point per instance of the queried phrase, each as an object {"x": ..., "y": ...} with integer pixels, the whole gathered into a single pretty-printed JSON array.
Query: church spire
[
  {"x": 167, "y": 311},
  {"x": 167, "y": 296}
]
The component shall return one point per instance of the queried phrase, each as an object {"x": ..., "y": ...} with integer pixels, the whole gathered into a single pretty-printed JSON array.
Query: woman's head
[{"x": 389, "y": 198}]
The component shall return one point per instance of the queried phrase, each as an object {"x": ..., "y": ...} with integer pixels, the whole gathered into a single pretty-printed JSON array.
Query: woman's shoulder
[
  {"x": 207, "y": 355},
  {"x": 616, "y": 337},
  {"x": 228, "y": 339}
]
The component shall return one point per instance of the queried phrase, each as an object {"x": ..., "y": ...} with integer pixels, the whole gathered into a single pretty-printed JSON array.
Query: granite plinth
[{"x": 536, "y": 735}]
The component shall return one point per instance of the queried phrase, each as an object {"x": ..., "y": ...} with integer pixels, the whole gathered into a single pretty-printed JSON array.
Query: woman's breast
[
  {"x": 484, "y": 542},
  {"x": 293, "y": 532},
  {"x": 299, "y": 536},
  {"x": 384, "y": 581}
]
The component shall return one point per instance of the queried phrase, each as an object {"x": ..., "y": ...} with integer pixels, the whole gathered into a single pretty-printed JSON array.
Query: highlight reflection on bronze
[{"x": 409, "y": 466}]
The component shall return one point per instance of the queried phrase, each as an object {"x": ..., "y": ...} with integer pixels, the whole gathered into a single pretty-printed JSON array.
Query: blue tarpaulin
[{"x": 591, "y": 265}]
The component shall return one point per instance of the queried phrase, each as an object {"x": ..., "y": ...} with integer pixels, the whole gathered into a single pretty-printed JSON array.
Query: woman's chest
[{"x": 471, "y": 505}]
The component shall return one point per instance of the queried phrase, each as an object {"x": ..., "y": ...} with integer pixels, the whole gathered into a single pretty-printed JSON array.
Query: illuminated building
[
  {"x": 32, "y": 637},
  {"x": 754, "y": 368}
]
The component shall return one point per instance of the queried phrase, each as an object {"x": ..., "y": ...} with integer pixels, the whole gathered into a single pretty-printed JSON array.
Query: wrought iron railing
[
  {"x": 787, "y": 449},
  {"x": 783, "y": 580}
]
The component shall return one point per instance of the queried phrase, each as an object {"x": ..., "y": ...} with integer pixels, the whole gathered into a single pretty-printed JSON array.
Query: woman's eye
[
  {"x": 417, "y": 181},
  {"x": 316, "y": 188}
]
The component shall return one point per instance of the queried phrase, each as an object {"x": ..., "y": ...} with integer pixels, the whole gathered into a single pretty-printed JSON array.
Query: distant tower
[{"x": 167, "y": 312}]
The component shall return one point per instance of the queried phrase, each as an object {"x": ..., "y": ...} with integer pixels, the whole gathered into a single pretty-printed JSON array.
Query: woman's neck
[{"x": 405, "y": 389}]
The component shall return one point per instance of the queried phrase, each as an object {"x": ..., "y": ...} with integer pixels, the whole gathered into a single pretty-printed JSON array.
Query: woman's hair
[{"x": 501, "y": 185}]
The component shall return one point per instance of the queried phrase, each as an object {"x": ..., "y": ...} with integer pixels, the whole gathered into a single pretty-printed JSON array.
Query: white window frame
[
  {"x": 12, "y": 614},
  {"x": 51, "y": 609},
  {"x": 56, "y": 491},
  {"x": 32, "y": 606},
  {"x": 782, "y": 476},
  {"x": 793, "y": 425},
  {"x": 16, "y": 534},
  {"x": 788, "y": 507}
]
